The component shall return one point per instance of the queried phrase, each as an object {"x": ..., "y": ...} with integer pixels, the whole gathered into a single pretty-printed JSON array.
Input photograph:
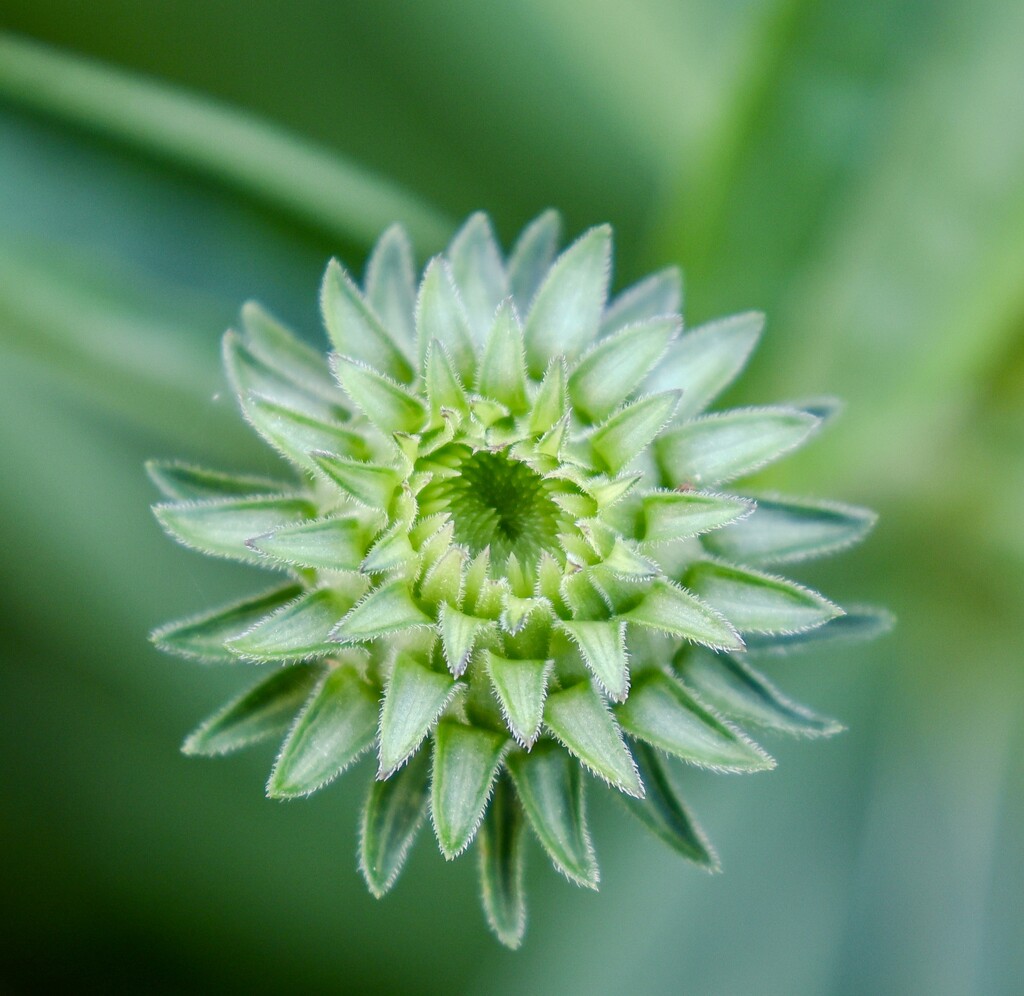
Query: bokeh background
[{"x": 856, "y": 170}]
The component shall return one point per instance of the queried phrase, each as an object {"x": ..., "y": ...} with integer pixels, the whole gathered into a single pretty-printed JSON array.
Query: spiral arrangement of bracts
[{"x": 508, "y": 532}]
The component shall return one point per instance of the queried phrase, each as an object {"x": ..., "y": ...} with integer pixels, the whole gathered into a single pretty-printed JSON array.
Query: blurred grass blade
[
  {"x": 318, "y": 186},
  {"x": 123, "y": 339}
]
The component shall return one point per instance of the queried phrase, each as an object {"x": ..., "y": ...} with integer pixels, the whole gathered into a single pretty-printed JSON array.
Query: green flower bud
[{"x": 505, "y": 534}]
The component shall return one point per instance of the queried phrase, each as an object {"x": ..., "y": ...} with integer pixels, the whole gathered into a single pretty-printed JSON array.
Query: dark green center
[{"x": 503, "y": 504}]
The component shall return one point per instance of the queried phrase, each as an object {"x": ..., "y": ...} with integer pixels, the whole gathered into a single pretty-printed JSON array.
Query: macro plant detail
[{"x": 510, "y": 554}]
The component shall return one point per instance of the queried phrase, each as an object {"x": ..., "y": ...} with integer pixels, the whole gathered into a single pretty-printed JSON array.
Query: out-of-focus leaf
[
  {"x": 664, "y": 813},
  {"x": 392, "y": 817},
  {"x": 550, "y": 787},
  {"x": 783, "y": 531},
  {"x": 261, "y": 713},
  {"x": 204, "y": 636},
  {"x": 500, "y": 846},
  {"x": 738, "y": 692}
]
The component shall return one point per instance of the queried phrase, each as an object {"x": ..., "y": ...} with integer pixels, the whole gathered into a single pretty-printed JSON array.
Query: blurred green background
[{"x": 856, "y": 170}]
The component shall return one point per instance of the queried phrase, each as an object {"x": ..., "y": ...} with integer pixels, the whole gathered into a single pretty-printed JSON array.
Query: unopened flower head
[{"x": 510, "y": 554}]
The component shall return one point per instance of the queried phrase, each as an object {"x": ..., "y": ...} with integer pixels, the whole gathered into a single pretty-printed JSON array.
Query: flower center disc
[{"x": 503, "y": 504}]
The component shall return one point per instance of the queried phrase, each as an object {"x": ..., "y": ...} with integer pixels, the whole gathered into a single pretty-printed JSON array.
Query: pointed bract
[
  {"x": 566, "y": 312},
  {"x": 205, "y": 636},
  {"x": 221, "y": 527},
  {"x": 503, "y": 366},
  {"x": 391, "y": 283},
  {"x": 665, "y": 815},
  {"x": 521, "y": 687},
  {"x": 355, "y": 329},
  {"x": 387, "y": 609},
  {"x": 759, "y": 603},
  {"x": 672, "y": 610},
  {"x": 336, "y": 544},
  {"x": 466, "y": 761},
  {"x": 478, "y": 271},
  {"x": 531, "y": 257},
  {"x": 738, "y": 692},
  {"x": 661, "y": 713},
  {"x": 659, "y": 294},
  {"x": 785, "y": 531},
  {"x": 384, "y": 402},
  {"x": 182, "y": 482},
  {"x": 299, "y": 630},
  {"x": 334, "y": 729},
  {"x": 500, "y": 846},
  {"x": 676, "y": 515},
  {"x": 440, "y": 315},
  {"x": 721, "y": 447},
  {"x": 603, "y": 647},
  {"x": 261, "y": 713},
  {"x": 704, "y": 362},
  {"x": 618, "y": 442},
  {"x": 392, "y": 817},
  {"x": 413, "y": 700},
  {"x": 610, "y": 372},
  {"x": 550, "y": 788},
  {"x": 582, "y": 722}
]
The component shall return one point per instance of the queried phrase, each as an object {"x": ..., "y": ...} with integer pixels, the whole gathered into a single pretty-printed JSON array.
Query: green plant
[{"x": 505, "y": 535}]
